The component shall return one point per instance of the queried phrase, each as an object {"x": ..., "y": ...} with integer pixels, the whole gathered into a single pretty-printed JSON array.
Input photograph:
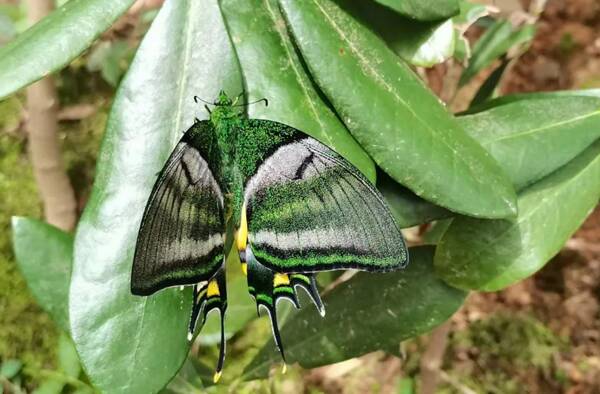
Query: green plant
[{"x": 516, "y": 176}]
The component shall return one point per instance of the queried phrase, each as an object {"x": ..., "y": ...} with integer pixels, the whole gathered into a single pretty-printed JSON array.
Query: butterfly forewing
[{"x": 181, "y": 236}]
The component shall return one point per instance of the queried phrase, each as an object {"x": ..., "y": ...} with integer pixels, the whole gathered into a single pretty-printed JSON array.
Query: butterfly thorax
[{"x": 227, "y": 124}]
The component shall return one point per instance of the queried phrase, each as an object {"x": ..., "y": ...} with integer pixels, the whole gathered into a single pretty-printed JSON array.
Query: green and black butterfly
[{"x": 290, "y": 205}]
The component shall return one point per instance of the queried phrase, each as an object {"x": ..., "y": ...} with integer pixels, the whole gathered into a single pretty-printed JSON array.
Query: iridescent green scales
[{"x": 290, "y": 206}]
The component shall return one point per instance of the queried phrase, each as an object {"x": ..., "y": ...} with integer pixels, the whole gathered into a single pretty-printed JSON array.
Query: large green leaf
[
  {"x": 420, "y": 43},
  {"x": 495, "y": 42},
  {"x": 44, "y": 254},
  {"x": 369, "y": 312},
  {"x": 532, "y": 138},
  {"x": 53, "y": 42},
  {"x": 400, "y": 123},
  {"x": 273, "y": 70},
  {"x": 529, "y": 138},
  {"x": 492, "y": 254},
  {"x": 426, "y": 10},
  {"x": 128, "y": 343}
]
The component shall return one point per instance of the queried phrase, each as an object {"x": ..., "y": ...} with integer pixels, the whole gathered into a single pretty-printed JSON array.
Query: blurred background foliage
[{"x": 542, "y": 333}]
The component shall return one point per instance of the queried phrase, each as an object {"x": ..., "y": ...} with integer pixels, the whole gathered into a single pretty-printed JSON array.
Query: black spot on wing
[{"x": 308, "y": 160}]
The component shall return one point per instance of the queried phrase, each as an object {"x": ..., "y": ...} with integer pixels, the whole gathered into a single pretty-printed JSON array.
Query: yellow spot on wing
[
  {"x": 213, "y": 289},
  {"x": 242, "y": 233},
  {"x": 245, "y": 269},
  {"x": 281, "y": 279}
]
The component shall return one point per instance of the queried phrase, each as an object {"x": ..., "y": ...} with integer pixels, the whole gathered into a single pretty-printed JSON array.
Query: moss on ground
[
  {"x": 26, "y": 332},
  {"x": 503, "y": 350}
]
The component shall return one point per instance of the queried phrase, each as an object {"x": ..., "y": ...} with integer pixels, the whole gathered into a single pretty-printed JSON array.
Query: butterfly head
[{"x": 223, "y": 100}]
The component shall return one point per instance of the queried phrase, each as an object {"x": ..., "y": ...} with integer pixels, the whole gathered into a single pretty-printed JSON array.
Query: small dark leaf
[
  {"x": 495, "y": 42},
  {"x": 487, "y": 90}
]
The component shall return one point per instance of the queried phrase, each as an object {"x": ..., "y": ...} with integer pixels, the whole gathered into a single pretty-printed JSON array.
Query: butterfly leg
[{"x": 209, "y": 296}]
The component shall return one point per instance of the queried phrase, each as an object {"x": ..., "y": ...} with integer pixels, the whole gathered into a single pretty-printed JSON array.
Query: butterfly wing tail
[
  {"x": 209, "y": 296},
  {"x": 267, "y": 288},
  {"x": 308, "y": 283}
]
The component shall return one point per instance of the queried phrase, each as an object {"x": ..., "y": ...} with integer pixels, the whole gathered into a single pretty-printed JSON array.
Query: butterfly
[{"x": 288, "y": 204}]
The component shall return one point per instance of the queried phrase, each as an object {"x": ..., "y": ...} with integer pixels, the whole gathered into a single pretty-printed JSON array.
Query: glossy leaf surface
[
  {"x": 186, "y": 52},
  {"x": 529, "y": 135},
  {"x": 493, "y": 254},
  {"x": 424, "y": 9},
  {"x": 44, "y": 254},
  {"x": 273, "y": 70},
  {"x": 532, "y": 138},
  {"x": 53, "y": 42},
  {"x": 367, "y": 313},
  {"x": 393, "y": 116}
]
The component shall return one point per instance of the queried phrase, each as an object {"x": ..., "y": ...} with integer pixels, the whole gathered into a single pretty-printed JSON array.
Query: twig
[
  {"x": 44, "y": 149},
  {"x": 432, "y": 359}
]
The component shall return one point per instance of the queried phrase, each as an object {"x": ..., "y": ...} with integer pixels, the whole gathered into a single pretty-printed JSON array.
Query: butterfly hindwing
[
  {"x": 310, "y": 210},
  {"x": 181, "y": 237}
]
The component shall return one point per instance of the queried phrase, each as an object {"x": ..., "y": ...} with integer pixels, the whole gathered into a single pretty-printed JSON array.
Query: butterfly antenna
[
  {"x": 197, "y": 100},
  {"x": 253, "y": 102}
]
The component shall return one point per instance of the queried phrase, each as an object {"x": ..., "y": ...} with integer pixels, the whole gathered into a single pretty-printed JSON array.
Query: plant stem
[
  {"x": 432, "y": 359},
  {"x": 53, "y": 183}
]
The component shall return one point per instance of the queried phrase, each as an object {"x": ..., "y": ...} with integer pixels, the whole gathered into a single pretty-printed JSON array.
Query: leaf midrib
[
  {"x": 301, "y": 82},
  {"x": 544, "y": 128},
  {"x": 390, "y": 89}
]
